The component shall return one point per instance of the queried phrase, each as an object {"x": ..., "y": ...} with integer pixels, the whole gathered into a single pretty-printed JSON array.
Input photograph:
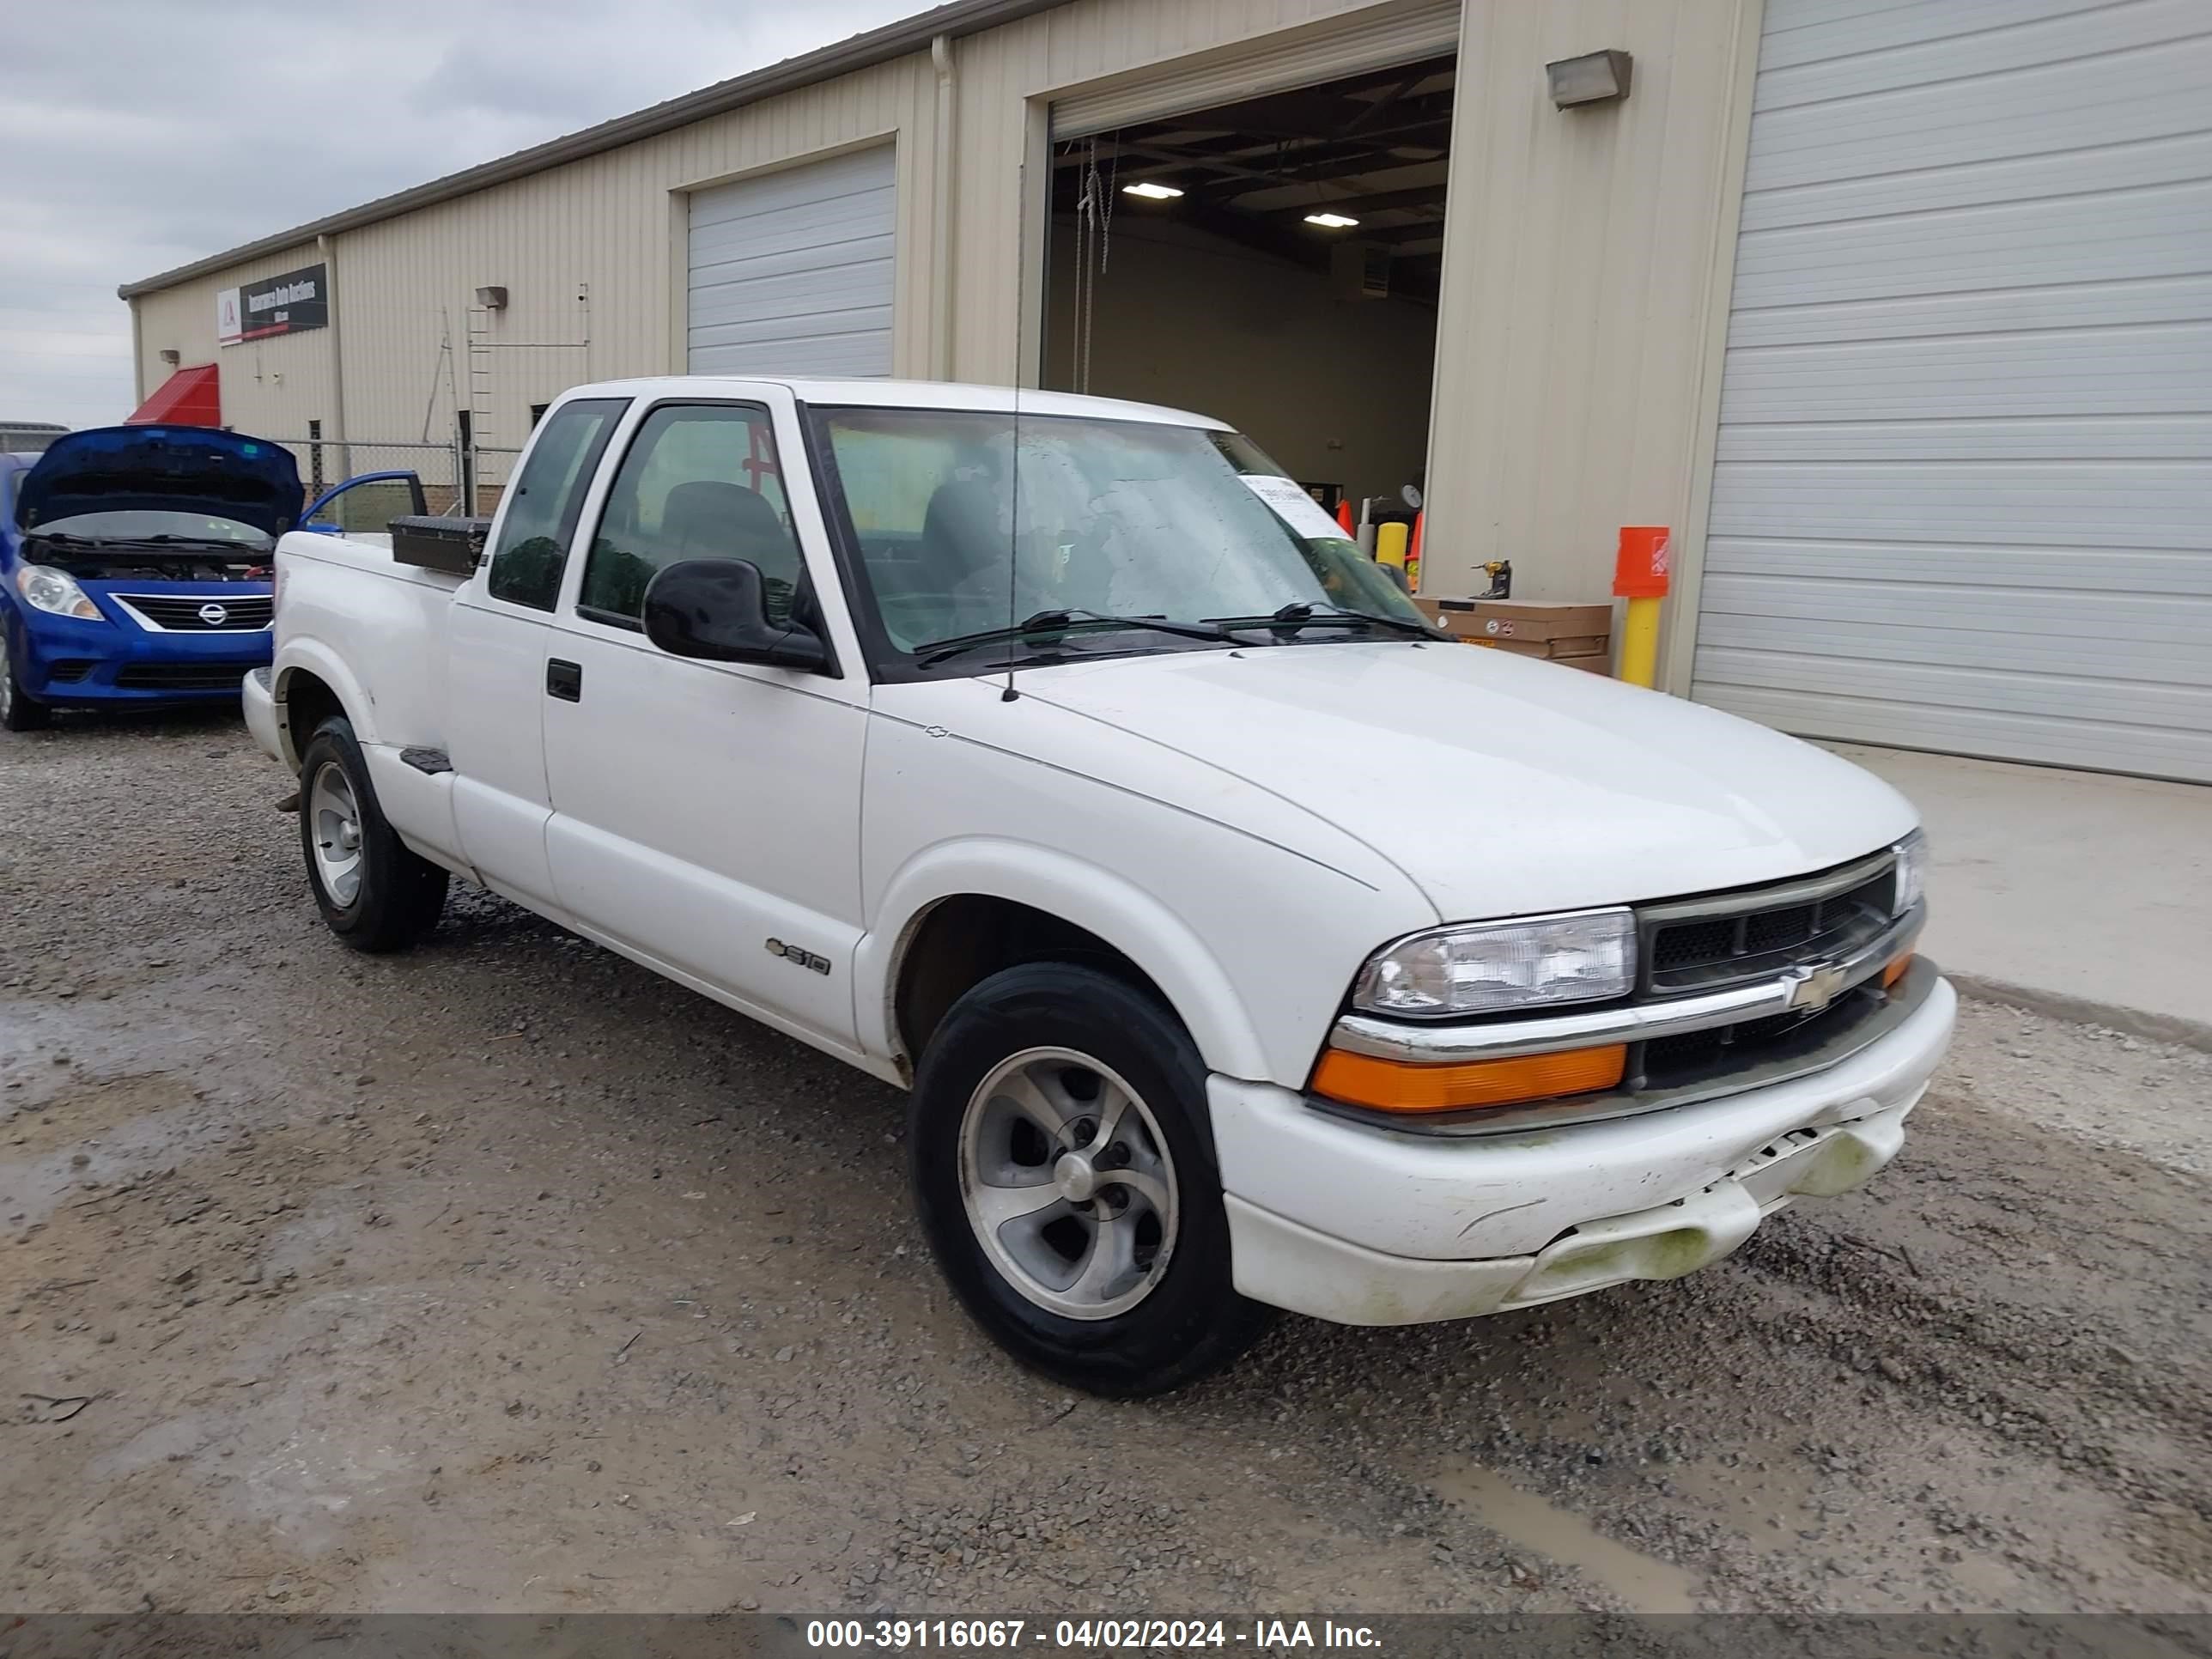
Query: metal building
[{"x": 1898, "y": 312}]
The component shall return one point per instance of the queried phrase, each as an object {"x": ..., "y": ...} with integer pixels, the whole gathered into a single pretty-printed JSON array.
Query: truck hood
[
  {"x": 170, "y": 469},
  {"x": 1500, "y": 785}
]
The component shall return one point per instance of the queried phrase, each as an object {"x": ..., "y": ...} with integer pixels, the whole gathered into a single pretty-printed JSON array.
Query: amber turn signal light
[
  {"x": 1895, "y": 971},
  {"x": 1390, "y": 1085}
]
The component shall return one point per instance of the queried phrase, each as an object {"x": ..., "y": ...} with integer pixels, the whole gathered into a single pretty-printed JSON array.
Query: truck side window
[
  {"x": 547, "y": 499},
  {"x": 701, "y": 481}
]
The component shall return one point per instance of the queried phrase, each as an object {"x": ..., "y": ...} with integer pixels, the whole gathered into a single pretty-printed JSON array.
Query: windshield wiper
[
  {"x": 1293, "y": 616},
  {"x": 110, "y": 543},
  {"x": 1062, "y": 621}
]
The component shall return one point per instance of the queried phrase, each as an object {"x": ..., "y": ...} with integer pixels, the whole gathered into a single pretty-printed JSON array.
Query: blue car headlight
[{"x": 44, "y": 588}]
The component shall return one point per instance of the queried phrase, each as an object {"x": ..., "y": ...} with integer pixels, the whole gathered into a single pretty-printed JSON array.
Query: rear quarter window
[{"x": 548, "y": 499}]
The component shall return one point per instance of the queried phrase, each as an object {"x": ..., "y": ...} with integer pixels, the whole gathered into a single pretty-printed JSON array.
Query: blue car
[{"x": 135, "y": 568}]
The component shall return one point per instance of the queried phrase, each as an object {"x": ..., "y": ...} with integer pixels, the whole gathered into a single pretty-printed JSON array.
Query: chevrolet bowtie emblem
[{"x": 1817, "y": 985}]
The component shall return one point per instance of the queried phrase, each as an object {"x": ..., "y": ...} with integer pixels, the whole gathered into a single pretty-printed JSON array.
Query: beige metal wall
[
  {"x": 1584, "y": 288},
  {"x": 609, "y": 227},
  {"x": 1584, "y": 281}
]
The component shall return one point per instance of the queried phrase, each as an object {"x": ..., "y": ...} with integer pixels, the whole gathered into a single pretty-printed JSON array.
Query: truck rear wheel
[
  {"x": 374, "y": 891},
  {"x": 1065, "y": 1177}
]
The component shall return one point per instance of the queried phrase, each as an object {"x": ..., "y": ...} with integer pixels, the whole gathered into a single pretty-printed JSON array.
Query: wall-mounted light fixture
[
  {"x": 172, "y": 357},
  {"x": 1595, "y": 77},
  {"x": 492, "y": 299},
  {"x": 1151, "y": 191},
  {"x": 1332, "y": 220}
]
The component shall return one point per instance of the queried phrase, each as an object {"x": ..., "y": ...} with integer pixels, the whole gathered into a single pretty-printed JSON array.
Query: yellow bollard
[
  {"x": 1391, "y": 544},
  {"x": 1639, "y": 643},
  {"x": 1639, "y": 575}
]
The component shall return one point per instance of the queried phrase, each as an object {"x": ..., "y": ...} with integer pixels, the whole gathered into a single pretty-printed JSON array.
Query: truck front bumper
[
  {"x": 1363, "y": 1225},
  {"x": 257, "y": 699}
]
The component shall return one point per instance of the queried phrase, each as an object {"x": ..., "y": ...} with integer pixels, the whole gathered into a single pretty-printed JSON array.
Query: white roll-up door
[
  {"x": 1962, "y": 498},
  {"x": 791, "y": 273},
  {"x": 1375, "y": 37}
]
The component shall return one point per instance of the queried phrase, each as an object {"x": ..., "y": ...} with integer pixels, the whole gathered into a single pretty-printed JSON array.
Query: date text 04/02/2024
[{"x": 1260, "y": 1635}]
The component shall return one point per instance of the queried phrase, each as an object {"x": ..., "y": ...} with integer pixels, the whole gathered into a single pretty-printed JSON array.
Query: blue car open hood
[{"x": 164, "y": 468}]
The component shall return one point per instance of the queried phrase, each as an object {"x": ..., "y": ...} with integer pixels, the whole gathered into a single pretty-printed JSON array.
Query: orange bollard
[{"x": 1639, "y": 575}]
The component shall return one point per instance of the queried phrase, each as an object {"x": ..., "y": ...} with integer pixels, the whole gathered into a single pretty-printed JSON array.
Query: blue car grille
[
  {"x": 180, "y": 676},
  {"x": 201, "y": 614}
]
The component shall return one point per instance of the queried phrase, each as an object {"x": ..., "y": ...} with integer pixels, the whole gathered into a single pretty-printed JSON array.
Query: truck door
[
  {"x": 707, "y": 815},
  {"x": 500, "y": 670}
]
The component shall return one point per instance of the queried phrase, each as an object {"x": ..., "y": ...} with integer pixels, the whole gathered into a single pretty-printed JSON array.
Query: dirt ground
[{"x": 505, "y": 1276}]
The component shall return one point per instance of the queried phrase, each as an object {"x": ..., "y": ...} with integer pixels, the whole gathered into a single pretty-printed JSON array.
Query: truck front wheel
[
  {"x": 375, "y": 892},
  {"x": 1064, "y": 1172}
]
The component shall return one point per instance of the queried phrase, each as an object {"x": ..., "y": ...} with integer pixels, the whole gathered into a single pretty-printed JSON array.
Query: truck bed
[
  {"x": 376, "y": 631},
  {"x": 379, "y": 623}
]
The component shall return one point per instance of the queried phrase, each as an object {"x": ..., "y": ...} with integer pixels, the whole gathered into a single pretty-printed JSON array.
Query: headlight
[
  {"x": 1491, "y": 967},
  {"x": 44, "y": 588},
  {"x": 1911, "y": 873}
]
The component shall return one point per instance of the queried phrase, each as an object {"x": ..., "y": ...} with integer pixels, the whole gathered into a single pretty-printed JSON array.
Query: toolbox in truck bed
[{"x": 450, "y": 545}]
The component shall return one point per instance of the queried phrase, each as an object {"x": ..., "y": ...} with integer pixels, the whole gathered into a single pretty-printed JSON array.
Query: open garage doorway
[{"x": 1273, "y": 261}]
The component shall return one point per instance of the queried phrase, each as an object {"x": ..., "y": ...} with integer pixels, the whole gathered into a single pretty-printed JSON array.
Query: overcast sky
[{"x": 141, "y": 134}]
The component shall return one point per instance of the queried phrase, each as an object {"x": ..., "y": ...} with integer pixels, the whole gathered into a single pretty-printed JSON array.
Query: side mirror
[{"x": 716, "y": 610}]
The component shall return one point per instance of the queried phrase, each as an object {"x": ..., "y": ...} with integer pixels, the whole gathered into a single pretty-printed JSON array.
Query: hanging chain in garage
[{"x": 1094, "y": 223}]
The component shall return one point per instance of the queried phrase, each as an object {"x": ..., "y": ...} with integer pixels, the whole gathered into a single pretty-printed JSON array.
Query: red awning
[{"x": 190, "y": 396}]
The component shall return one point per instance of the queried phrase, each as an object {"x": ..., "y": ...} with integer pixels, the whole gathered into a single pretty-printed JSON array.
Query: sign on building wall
[{"x": 288, "y": 304}]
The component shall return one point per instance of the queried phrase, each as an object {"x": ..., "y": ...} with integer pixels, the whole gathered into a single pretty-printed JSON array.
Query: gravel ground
[{"x": 505, "y": 1276}]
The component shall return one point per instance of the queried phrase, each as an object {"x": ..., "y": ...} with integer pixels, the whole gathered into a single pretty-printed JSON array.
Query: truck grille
[
  {"x": 1750, "y": 935},
  {"x": 180, "y": 613},
  {"x": 1674, "y": 1062},
  {"x": 1746, "y": 936}
]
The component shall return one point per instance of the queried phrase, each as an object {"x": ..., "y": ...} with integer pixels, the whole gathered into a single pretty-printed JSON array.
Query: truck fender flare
[
  {"x": 318, "y": 660},
  {"x": 1126, "y": 917}
]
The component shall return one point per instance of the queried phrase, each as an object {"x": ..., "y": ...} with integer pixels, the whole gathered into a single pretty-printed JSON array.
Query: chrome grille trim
[
  {"x": 250, "y": 613},
  {"x": 1910, "y": 995},
  {"x": 1745, "y": 961},
  {"x": 1638, "y": 1022}
]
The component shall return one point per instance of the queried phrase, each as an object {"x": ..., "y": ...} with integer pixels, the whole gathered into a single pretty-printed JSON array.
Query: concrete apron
[{"x": 2076, "y": 894}]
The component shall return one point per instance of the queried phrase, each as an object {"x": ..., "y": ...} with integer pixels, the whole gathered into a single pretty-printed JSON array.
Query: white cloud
[{"x": 141, "y": 134}]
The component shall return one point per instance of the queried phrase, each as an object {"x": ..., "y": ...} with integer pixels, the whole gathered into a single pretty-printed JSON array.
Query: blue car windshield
[{"x": 143, "y": 524}]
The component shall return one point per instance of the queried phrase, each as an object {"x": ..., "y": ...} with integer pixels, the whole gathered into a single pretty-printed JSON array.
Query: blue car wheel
[{"x": 19, "y": 710}]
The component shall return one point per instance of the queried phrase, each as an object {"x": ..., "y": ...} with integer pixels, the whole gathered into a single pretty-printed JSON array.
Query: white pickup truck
[{"x": 1243, "y": 943}]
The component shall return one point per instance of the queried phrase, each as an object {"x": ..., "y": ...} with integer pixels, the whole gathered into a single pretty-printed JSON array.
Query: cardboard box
[
  {"x": 1579, "y": 636},
  {"x": 1589, "y": 645}
]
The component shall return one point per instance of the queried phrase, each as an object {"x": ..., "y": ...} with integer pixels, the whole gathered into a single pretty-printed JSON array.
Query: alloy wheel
[{"x": 1069, "y": 1183}]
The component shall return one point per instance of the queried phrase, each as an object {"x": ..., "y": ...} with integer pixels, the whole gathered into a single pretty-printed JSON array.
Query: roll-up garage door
[
  {"x": 1962, "y": 498},
  {"x": 1374, "y": 37},
  {"x": 791, "y": 272}
]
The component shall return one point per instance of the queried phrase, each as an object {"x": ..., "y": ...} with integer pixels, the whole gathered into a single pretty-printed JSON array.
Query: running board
[{"x": 430, "y": 761}]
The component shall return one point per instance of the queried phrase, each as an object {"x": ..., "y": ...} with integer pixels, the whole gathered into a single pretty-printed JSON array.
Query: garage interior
[{"x": 1185, "y": 267}]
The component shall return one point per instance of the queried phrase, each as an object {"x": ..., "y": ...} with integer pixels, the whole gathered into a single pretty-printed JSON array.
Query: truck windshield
[{"x": 968, "y": 521}]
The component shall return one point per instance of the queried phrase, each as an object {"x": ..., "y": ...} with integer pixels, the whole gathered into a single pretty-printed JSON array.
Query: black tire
[
  {"x": 401, "y": 893},
  {"x": 1191, "y": 1322},
  {"x": 19, "y": 710}
]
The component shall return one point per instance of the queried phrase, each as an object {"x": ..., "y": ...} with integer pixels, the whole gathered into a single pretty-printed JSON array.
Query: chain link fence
[{"x": 455, "y": 478}]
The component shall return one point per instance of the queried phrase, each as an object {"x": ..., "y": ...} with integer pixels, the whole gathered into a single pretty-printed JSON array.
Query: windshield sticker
[{"x": 1294, "y": 507}]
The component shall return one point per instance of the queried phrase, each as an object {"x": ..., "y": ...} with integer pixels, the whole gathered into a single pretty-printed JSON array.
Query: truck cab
[{"x": 1243, "y": 943}]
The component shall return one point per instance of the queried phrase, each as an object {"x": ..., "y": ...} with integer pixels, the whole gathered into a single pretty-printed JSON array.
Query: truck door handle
[{"x": 564, "y": 680}]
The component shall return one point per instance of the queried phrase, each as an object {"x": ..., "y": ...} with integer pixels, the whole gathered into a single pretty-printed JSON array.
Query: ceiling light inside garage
[
  {"x": 1331, "y": 221},
  {"x": 1151, "y": 191}
]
